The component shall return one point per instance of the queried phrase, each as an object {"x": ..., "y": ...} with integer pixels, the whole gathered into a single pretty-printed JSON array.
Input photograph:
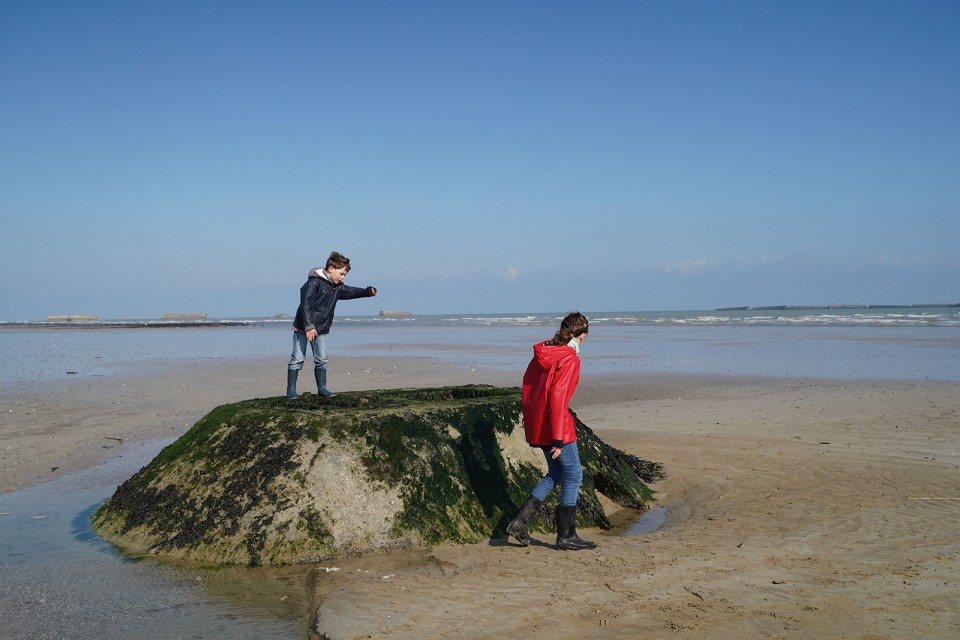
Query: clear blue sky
[{"x": 475, "y": 157}]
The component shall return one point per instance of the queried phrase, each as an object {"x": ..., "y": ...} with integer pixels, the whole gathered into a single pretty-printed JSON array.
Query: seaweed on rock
[{"x": 275, "y": 481}]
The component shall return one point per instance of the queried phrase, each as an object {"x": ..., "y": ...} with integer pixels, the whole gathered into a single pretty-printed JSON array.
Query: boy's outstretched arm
[{"x": 349, "y": 293}]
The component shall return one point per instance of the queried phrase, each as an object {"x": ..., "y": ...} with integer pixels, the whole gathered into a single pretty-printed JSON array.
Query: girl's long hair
[{"x": 573, "y": 326}]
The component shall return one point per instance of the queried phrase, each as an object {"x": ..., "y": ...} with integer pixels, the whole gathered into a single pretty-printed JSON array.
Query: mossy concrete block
[{"x": 277, "y": 481}]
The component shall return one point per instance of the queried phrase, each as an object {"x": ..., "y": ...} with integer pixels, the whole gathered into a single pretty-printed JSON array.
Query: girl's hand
[{"x": 555, "y": 452}]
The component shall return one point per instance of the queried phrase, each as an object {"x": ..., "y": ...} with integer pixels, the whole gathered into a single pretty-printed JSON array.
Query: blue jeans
[
  {"x": 565, "y": 471},
  {"x": 318, "y": 346}
]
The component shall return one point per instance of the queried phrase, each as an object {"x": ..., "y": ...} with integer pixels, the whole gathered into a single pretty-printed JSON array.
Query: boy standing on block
[{"x": 318, "y": 299}]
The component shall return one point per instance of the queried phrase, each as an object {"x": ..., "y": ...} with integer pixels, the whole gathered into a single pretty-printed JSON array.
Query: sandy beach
[{"x": 794, "y": 508}]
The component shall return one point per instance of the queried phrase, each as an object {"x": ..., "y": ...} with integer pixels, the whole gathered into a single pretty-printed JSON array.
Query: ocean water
[{"x": 895, "y": 343}]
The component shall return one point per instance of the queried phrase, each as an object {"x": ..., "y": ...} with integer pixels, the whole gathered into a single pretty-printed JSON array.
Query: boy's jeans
[
  {"x": 565, "y": 471},
  {"x": 318, "y": 346}
]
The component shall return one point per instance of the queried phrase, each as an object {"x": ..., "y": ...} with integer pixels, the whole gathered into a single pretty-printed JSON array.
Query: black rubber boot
[
  {"x": 292, "y": 383},
  {"x": 518, "y": 526},
  {"x": 567, "y": 537},
  {"x": 321, "y": 376}
]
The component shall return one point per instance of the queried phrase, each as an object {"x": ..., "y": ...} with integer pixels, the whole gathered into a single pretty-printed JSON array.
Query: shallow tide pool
[{"x": 59, "y": 580}]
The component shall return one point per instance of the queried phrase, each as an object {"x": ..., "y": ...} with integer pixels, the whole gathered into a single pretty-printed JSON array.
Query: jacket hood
[
  {"x": 318, "y": 272},
  {"x": 547, "y": 356}
]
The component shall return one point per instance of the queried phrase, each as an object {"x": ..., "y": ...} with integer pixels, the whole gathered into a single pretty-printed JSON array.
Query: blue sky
[{"x": 475, "y": 157}]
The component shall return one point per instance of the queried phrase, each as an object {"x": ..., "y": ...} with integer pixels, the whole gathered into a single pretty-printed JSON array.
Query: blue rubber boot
[
  {"x": 321, "y": 376},
  {"x": 292, "y": 384}
]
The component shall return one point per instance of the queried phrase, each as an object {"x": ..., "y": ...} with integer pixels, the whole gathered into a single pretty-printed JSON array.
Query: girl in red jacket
[{"x": 548, "y": 384}]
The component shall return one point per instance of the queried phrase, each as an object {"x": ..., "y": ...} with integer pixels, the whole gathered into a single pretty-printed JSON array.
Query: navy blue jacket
[{"x": 318, "y": 300}]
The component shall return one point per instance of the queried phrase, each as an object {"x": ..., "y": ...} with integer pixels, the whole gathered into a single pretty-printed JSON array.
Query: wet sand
[{"x": 795, "y": 509}]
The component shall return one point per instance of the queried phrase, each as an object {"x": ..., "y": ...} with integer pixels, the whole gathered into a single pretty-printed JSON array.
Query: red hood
[{"x": 547, "y": 356}]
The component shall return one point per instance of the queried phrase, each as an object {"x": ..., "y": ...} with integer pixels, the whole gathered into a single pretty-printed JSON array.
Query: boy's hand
[
  {"x": 372, "y": 291},
  {"x": 311, "y": 335}
]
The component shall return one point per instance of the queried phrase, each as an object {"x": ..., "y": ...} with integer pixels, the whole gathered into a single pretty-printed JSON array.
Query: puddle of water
[
  {"x": 61, "y": 580},
  {"x": 650, "y": 521}
]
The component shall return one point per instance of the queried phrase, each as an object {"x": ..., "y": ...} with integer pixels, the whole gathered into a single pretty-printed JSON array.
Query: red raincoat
[{"x": 548, "y": 384}]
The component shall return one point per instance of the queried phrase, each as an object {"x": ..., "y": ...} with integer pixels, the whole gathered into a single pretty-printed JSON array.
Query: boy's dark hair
[{"x": 338, "y": 261}]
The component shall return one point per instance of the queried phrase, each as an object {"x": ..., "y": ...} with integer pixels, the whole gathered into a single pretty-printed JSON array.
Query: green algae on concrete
[{"x": 277, "y": 481}]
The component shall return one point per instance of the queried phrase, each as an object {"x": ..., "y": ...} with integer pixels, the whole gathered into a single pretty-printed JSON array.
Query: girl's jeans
[
  {"x": 318, "y": 346},
  {"x": 565, "y": 471}
]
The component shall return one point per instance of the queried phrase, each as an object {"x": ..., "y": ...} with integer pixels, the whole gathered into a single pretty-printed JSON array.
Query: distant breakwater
[{"x": 130, "y": 324}]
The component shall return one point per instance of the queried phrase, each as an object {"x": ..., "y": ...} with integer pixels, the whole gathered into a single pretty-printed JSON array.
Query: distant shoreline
[
  {"x": 786, "y": 307},
  {"x": 180, "y": 321}
]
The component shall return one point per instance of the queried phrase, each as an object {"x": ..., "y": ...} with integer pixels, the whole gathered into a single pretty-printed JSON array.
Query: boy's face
[{"x": 336, "y": 275}]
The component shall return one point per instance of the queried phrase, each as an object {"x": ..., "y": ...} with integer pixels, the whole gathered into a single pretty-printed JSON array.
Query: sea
[
  {"x": 60, "y": 581},
  {"x": 898, "y": 343}
]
